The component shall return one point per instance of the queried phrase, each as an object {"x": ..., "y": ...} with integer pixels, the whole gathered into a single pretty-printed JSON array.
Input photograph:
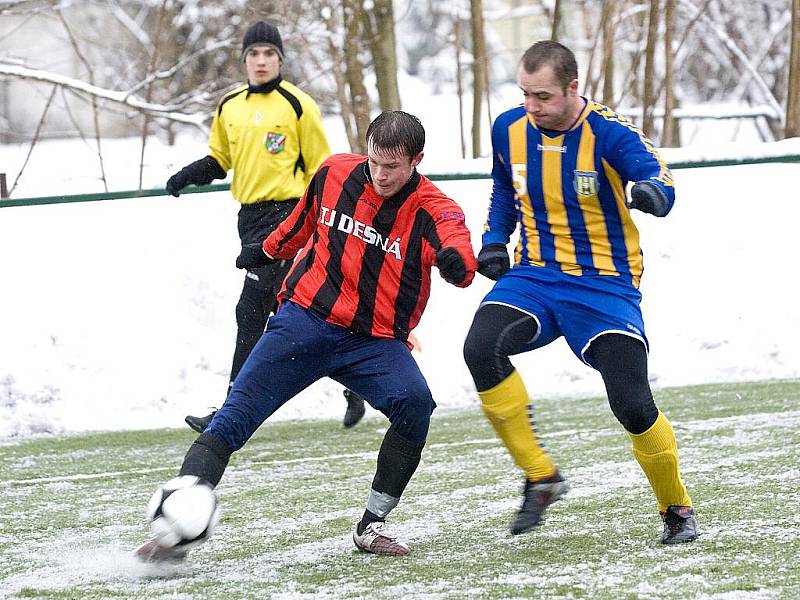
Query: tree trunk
[
  {"x": 648, "y": 95},
  {"x": 478, "y": 72},
  {"x": 379, "y": 30},
  {"x": 95, "y": 109},
  {"x": 354, "y": 71},
  {"x": 607, "y": 19},
  {"x": 556, "y": 21},
  {"x": 151, "y": 68},
  {"x": 459, "y": 84},
  {"x": 793, "y": 93},
  {"x": 332, "y": 25},
  {"x": 669, "y": 137}
]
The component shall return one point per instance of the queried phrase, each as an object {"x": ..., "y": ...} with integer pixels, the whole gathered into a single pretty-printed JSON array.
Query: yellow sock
[
  {"x": 510, "y": 412},
  {"x": 657, "y": 453}
]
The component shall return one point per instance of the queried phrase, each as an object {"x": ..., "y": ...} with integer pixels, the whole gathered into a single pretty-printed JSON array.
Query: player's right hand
[
  {"x": 200, "y": 172},
  {"x": 176, "y": 183},
  {"x": 493, "y": 261}
]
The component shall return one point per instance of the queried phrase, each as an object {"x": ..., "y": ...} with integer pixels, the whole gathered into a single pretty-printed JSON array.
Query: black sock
[
  {"x": 368, "y": 518},
  {"x": 207, "y": 458}
]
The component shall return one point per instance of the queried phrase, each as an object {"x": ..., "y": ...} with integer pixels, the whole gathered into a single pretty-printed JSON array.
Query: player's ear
[
  {"x": 573, "y": 87},
  {"x": 417, "y": 159}
]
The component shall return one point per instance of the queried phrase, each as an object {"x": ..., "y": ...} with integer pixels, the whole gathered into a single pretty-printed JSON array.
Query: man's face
[
  {"x": 263, "y": 63},
  {"x": 546, "y": 101},
  {"x": 390, "y": 170}
]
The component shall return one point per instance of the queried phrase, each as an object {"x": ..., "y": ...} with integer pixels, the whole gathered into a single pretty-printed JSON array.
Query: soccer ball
[{"x": 183, "y": 512}]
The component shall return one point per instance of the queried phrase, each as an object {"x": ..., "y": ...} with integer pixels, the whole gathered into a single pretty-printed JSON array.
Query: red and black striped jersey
[{"x": 366, "y": 260}]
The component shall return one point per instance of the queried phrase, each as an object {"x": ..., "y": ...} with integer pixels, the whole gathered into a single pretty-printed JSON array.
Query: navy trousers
[{"x": 297, "y": 349}]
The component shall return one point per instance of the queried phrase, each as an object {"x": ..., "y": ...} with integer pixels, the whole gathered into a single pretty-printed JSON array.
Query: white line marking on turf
[{"x": 783, "y": 418}]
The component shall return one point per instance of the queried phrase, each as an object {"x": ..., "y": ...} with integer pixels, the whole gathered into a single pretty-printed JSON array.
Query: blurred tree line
[{"x": 159, "y": 65}]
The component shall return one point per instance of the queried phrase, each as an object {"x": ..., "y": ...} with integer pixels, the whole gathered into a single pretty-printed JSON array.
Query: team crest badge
[
  {"x": 585, "y": 183},
  {"x": 274, "y": 142}
]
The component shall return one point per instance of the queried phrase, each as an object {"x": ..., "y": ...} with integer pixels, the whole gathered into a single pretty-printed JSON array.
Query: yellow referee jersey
[{"x": 274, "y": 142}]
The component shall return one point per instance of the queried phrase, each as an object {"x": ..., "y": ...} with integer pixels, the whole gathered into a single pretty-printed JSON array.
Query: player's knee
[
  {"x": 622, "y": 361},
  {"x": 420, "y": 401},
  {"x": 497, "y": 332},
  {"x": 474, "y": 349},
  {"x": 635, "y": 413},
  {"x": 411, "y": 417}
]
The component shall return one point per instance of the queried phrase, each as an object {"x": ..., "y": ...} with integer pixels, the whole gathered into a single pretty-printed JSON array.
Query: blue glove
[
  {"x": 647, "y": 197},
  {"x": 493, "y": 261}
]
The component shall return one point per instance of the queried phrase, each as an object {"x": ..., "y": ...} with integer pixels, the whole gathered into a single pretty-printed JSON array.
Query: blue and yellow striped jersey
[{"x": 567, "y": 191}]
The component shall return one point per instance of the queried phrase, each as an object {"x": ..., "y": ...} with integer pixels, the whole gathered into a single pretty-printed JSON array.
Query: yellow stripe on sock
[
  {"x": 657, "y": 453},
  {"x": 510, "y": 412}
]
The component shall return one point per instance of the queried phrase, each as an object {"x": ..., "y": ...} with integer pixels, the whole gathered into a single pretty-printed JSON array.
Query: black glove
[
  {"x": 200, "y": 172},
  {"x": 451, "y": 265},
  {"x": 252, "y": 256},
  {"x": 647, "y": 197},
  {"x": 493, "y": 261}
]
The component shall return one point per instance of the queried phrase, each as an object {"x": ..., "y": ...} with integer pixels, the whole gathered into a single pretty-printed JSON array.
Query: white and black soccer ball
[{"x": 183, "y": 512}]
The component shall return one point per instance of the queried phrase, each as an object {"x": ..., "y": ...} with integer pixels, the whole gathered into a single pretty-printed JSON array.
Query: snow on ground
[{"x": 120, "y": 314}]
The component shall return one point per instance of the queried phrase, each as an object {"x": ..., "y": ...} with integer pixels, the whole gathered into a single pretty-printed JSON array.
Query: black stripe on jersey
[
  {"x": 230, "y": 96},
  {"x": 314, "y": 187},
  {"x": 371, "y": 265},
  {"x": 292, "y": 99},
  {"x": 298, "y": 110},
  {"x": 424, "y": 228},
  {"x": 328, "y": 293}
]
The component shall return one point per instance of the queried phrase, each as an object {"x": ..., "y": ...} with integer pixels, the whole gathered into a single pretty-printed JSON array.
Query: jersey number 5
[{"x": 519, "y": 175}]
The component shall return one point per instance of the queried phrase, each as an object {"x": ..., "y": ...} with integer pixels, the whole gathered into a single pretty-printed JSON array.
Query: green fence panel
[{"x": 223, "y": 187}]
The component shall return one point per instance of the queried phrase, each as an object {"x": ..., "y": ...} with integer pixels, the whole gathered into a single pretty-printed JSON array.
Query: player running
[{"x": 561, "y": 164}]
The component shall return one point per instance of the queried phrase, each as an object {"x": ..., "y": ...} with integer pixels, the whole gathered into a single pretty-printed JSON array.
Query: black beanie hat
[{"x": 262, "y": 34}]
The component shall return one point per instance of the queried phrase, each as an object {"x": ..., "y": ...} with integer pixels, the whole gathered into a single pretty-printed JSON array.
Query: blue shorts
[
  {"x": 581, "y": 308},
  {"x": 297, "y": 349}
]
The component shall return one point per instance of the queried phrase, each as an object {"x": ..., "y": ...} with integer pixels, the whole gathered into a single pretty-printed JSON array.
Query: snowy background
[{"x": 120, "y": 314}]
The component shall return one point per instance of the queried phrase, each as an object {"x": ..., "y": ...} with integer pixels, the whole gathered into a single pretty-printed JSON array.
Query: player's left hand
[
  {"x": 253, "y": 256},
  {"x": 451, "y": 265},
  {"x": 493, "y": 261},
  {"x": 647, "y": 197}
]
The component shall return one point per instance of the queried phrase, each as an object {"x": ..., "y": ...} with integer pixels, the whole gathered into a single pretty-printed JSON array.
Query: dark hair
[
  {"x": 395, "y": 130},
  {"x": 556, "y": 55}
]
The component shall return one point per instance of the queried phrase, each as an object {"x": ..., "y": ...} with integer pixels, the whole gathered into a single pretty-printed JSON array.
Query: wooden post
[{"x": 3, "y": 186}]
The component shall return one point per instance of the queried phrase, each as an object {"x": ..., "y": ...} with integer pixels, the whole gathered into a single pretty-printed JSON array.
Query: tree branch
[{"x": 166, "y": 111}]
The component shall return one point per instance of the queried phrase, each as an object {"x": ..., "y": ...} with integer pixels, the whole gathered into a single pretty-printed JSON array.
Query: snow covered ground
[{"x": 120, "y": 314}]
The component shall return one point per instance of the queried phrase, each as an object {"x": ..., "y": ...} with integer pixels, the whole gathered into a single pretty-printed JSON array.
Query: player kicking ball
[{"x": 368, "y": 230}]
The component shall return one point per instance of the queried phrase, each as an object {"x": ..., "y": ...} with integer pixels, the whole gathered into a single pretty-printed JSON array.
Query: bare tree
[
  {"x": 479, "y": 65},
  {"x": 459, "y": 80},
  {"x": 556, "y": 21},
  {"x": 95, "y": 111},
  {"x": 35, "y": 139},
  {"x": 648, "y": 96},
  {"x": 151, "y": 68},
  {"x": 793, "y": 95},
  {"x": 332, "y": 19},
  {"x": 354, "y": 73},
  {"x": 607, "y": 21},
  {"x": 669, "y": 133},
  {"x": 379, "y": 30}
]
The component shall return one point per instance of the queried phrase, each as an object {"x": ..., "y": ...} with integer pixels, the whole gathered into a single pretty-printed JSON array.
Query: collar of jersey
[
  {"x": 264, "y": 88},
  {"x": 404, "y": 191},
  {"x": 556, "y": 132}
]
